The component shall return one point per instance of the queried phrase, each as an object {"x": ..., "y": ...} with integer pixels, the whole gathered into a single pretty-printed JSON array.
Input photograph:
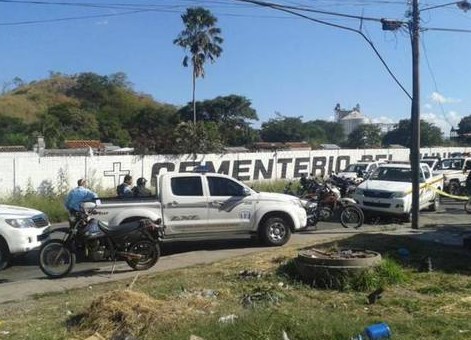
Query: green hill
[{"x": 84, "y": 105}]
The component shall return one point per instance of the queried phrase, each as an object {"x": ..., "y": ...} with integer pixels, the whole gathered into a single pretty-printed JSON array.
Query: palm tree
[{"x": 201, "y": 38}]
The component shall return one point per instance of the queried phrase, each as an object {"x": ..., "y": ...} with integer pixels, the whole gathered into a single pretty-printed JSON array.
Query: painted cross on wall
[{"x": 116, "y": 173}]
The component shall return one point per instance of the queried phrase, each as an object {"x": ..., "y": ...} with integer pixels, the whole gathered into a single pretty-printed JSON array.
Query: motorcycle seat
[{"x": 120, "y": 229}]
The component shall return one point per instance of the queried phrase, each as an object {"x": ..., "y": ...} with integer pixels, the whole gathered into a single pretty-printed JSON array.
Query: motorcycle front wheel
[
  {"x": 149, "y": 254},
  {"x": 352, "y": 217},
  {"x": 55, "y": 259}
]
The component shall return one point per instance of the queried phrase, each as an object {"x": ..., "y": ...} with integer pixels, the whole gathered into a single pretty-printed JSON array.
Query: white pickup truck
[
  {"x": 19, "y": 231},
  {"x": 359, "y": 170},
  {"x": 389, "y": 190},
  {"x": 209, "y": 205},
  {"x": 454, "y": 171}
]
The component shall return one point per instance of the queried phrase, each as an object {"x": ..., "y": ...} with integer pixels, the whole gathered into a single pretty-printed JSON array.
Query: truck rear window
[
  {"x": 224, "y": 187},
  {"x": 187, "y": 186},
  {"x": 392, "y": 174}
]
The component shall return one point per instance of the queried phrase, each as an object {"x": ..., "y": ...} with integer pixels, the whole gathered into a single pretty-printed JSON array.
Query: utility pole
[{"x": 415, "y": 113}]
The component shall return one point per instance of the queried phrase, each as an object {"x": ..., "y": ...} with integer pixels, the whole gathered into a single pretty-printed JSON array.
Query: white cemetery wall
[{"x": 28, "y": 171}]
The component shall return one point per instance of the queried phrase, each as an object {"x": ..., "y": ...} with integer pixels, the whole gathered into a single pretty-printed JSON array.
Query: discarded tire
[{"x": 334, "y": 269}]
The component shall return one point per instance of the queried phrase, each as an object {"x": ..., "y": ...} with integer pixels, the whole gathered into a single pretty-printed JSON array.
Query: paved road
[{"x": 24, "y": 278}]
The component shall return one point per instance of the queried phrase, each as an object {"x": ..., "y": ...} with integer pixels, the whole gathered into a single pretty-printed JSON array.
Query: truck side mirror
[{"x": 246, "y": 192}]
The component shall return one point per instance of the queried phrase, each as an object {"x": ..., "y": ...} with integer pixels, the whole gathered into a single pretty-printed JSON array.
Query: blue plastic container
[{"x": 378, "y": 331}]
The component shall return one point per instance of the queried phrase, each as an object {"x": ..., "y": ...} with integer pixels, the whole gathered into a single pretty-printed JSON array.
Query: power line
[
  {"x": 290, "y": 11},
  {"x": 438, "y": 6},
  {"x": 310, "y": 10},
  {"x": 18, "y": 23},
  {"x": 434, "y": 80},
  {"x": 456, "y": 30}
]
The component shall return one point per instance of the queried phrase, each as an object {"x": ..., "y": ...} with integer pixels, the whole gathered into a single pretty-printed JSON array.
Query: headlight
[
  {"x": 21, "y": 222},
  {"x": 398, "y": 194},
  {"x": 359, "y": 192}
]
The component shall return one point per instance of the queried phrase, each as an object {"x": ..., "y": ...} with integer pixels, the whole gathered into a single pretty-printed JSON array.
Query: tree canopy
[
  {"x": 430, "y": 135},
  {"x": 106, "y": 107},
  {"x": 233, "y": 116},
  {"x": 464, "y": 128},
  {"x": 293, "y": 129},
  {"x": 365, "y": 136}
]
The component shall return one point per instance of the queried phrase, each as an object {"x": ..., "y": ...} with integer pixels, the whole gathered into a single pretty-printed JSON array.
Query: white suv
[{"x": 19, "y": 231}]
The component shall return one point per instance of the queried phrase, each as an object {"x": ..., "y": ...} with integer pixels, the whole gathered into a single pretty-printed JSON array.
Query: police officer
[{"x": 140, "y": 189}]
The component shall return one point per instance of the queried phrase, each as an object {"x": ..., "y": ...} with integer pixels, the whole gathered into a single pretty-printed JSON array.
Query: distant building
[
  {"x": 330, "y": 147},
  {"x": 293, "y": 146},
  {"x": 385, "y": 127},
  {"x": 350, "y": 119},
  {"x": 81, "y": 147},
  {"x": 12, "y": 148}
]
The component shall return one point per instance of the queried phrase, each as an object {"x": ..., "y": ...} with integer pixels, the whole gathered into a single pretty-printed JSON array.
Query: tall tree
[
  {"x": 202, "y": 39},
  {"x": 334, "y": 132},
  {"x": 193, "y": 139},
  {"x": 365, "y": 136},
  {"x": 464, "y": 129},
  {"x": 153, "y": 128},
  {"x": 283, "y": 129},
  {"x": 430, "y": 135},
  {"x": 232, "y": 114},
  {"x": 13, "y": 131}
]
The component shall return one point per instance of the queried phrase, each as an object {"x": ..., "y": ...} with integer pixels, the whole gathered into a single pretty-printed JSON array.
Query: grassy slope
[
  {"x": 178, "y": 303},
  {"x": 31, "y": 100}
]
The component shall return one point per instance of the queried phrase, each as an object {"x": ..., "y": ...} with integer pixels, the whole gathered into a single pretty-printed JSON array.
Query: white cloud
[
  {"x": 440, "y": 99},
  {"x": 443, "y": 121},
  {"x": 382, "y": 120},
  {"x": 103, "y": 22}
]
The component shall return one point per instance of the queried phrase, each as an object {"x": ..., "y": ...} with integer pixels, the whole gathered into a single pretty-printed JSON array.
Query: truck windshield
[
  {"x": 453, "y": 163},
  {"x": 355, "y": 168},
  {"x": 430, "y": 162},
  {"x": 392, "y": 174}
]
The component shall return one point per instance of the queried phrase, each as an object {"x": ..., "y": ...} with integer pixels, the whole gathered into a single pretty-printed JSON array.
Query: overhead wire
[
  {"x": 29, "y": 22},
  {"x": 434, "y": 80},
  {"x": 455, "y": 30},
  {"x": 370, "y": 43},
  {"x": 293, "y": 9}
]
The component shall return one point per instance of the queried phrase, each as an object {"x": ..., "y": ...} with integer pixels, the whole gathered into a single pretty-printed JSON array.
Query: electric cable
[
  {"x": 370, "y": 43},
  {"x": 18, "y": 23},
  {"x": 433, "y": 79}
]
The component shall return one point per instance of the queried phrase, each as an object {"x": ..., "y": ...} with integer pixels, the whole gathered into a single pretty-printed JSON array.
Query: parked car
[
  {"x": 389, "y": 190},
  {"x": 210, "y": 205},
  {"x": 19, "y": 231},
  {"x": 359, "y": 169}
]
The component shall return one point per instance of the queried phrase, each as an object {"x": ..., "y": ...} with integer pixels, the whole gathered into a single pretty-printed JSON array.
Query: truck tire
[
  {"x": 4, "y": 254},
  {"x": 274, "y": 231},
  {"x": 454, "y": 188},
  {"x": 407, "y": 218},
  {"x": 435, "y": 203}
]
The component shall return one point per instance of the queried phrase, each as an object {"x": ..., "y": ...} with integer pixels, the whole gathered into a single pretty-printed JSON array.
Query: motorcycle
[
  {"x": 346, "y": 186},
  {"x": 327, "y": 203},
  {"x": 135, "y": 242}
]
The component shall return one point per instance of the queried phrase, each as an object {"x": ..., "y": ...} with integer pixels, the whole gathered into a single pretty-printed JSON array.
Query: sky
[{"x": 282, "y": 63}]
